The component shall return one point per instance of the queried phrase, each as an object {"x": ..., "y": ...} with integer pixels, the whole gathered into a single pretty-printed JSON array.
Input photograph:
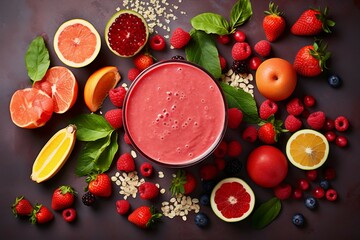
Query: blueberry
[
  {"x": 298, "y": 220},
  {"x": 334, "y": 81},
  {"x": 201, "y": 220},
  {"x": 311, "y": 203},
  {"x": 205, "y": 200},
  {"x": 324, "y": 184}
]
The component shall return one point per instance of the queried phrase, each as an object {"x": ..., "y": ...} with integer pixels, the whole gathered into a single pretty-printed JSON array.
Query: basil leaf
[
  {"x": 91, "y": 127},
  {"x": 210, "y": 23},
  {"x": 240, "y": 13},
  {"x": 202, "y": 50},
  {"x": 106, "y": 158},
  {"x": 88, "y": 161},
  {"x": 266, "y": 213},
  {"x": 37, "y": 59},
  {"x": 238, "y": 98}
]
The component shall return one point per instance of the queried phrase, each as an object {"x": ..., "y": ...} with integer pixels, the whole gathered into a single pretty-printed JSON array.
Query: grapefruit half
[
  {"x": 77, "y": 43},
  {"x": 60, "y": 84},
  {"x": 232, "y": 199},
  {"x": 126, "y": 33}
]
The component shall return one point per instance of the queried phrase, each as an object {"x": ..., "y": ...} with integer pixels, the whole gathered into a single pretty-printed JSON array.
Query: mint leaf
[
  {"x": 89, "y": 156},
  {"x": 91, "y": 127},
  {"x": 240, "y": 13},
  {"x": 37, "y": 59},
  {"x": 202, "y": 50},
  {"x": 107, "y": 156},
  {"x": 238, "y": 98},
  {"x": 210, "y": 23},
  {"x": 266, "y": 213}
]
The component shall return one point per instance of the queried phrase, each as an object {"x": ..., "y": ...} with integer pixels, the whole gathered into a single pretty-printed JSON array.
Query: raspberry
[
  {"x": 69, "y": 214},
  {"x": 220, "y": 163},
  {"x": 146, "y": 169},
  {"x": 241, "y": 51},
  {"x": 208, "y": 172},
  {"x": 117, "y": 96},
  {"x": 222, "y": 62},
  {"x": 125, "y": 163},
  {"x": 179, "y": 38},
  {"x": 250, "y": 134},
  {"x": 127, "y": 139},
  {"x": 295, "y": 107},
  {"x": 331, "y": 195},
  {"x": 292, "y": 123},
  {"x": 235, "y": 117},
  {"x": 223, "y": 39},
  {"x": 341, "y": 141},
  {"x": 234, "y": 148},
  {"x": 316, "y": 120},
  {"x": 239, "y": 36},
  {"x": 282, "y": 191},
  {"x": 341, "y": 123},
  {"x": 221, "y": 150},
  {"x": 122, "y": 206},
  {"x": 148, "y": 190},
  {"x": 157, "y": 42},
  {"x": 309, "y": 101},
  {"x": 267, "y": 108},
  {"x": 133, "y": 73},
  {"x": 114, "y": 117},
  {"x": 263, "y": 48}
]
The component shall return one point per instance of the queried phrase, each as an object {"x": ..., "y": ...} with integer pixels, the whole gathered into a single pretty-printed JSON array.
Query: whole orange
[{"x": 276, "y": 79}]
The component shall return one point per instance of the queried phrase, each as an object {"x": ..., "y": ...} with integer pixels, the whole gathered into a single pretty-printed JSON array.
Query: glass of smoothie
[{"x": 175, "y": 113}]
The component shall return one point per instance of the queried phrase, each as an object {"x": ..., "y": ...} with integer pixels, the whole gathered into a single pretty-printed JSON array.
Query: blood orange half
[
  {"x": 30, "y": 108},
  {"x": 232, "y": 200},
  {"x": 77, "y": 43},
  {"x": 60, "y": 84}
]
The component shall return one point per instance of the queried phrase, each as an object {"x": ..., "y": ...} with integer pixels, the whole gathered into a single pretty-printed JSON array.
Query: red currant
[
  {"x": 309, "y": 101},
  {"x": 239, "y": 36},
  {"x": 282, "y": 191},
  {"x": 157, "y": 42},
  {"x": 331, "y": 195},
  {"x": 341, "y": 141},
  {"x": 312, "y": 175},
  {"x": 318, "y": 192},
  {"x": 297, "y": 193},
  {"x": 254, "y": 63},
  {"x": 329, "y": 124},
  {"x": 303, "y": 184},
  {"x": 329, "y": 173},
  {"x": 341, "y": 123},
  {"x": 223, "y": 39},
  {"x": 330, "y": 136}
]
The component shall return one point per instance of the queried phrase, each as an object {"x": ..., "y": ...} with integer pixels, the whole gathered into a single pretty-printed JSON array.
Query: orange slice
[
  {"x": 98, "y": 85},
  {"x": 54, "y": 154},
  {"x": 30, "y": 108},
  {"x": 61, "y": 85},
  {"x": 307, "y": 149},
  {"x": 77, "y": 43}
]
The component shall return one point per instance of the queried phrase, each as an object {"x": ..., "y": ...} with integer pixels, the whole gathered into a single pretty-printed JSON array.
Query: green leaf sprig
[
  {"x": 37, "y": 59},
  {"x": 101, "y": 144},
  {"x": 266, "y": 213}
]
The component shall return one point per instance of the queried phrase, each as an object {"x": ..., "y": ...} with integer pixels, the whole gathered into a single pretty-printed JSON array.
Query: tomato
[
  {"x": 276, "y": 79},
  {"x": 267, "y": 166}
]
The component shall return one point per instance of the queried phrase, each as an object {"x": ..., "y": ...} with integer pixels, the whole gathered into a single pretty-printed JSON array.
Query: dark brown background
[{"x": 22, "y": 21}]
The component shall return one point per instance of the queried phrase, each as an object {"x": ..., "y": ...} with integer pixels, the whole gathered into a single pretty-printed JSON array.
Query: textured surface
[{"x": 21, "y": 21}]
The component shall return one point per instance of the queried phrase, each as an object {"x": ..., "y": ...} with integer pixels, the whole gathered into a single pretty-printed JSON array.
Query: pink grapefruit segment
[
  {"x": 232, "y": 200},
  {"x": 30, "y": 108}
]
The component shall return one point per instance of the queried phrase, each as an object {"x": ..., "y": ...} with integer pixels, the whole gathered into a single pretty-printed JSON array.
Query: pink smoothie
[{"x": 175, "y": 113}]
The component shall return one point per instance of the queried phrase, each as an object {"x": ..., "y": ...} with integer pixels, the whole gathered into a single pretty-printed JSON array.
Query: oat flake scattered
[
  {"x": 181, "y": 206},
  {"x": 240, "y": 81}
]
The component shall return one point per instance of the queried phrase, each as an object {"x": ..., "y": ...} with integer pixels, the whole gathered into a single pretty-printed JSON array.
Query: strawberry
[
  {"x": 310, "y": 60},
  {"x": 273, "y": 23},
  {"x": 144, "y": 216},
  {"x": 312, "y": 22},
  {"x": 183, "y": 183},
  {"x": 208, "y": 171},
  {"x": 63, "y": 197},
  {"x": 270, "y": 130},
  {"x": 22, "y": 207},
  {"x": 148, "y": 190},
  {"x": 99, "y": 185},
  {"x": 117, "y": 96},
  {"x": 143, "y": 60},
  {"x": 41, "y": 214},
  {"x": 114, "y": 118},
  {"x": 125, "y": 163},
  {"x": 240, "y": 51},
  {"x": 179, "y": 38}
]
